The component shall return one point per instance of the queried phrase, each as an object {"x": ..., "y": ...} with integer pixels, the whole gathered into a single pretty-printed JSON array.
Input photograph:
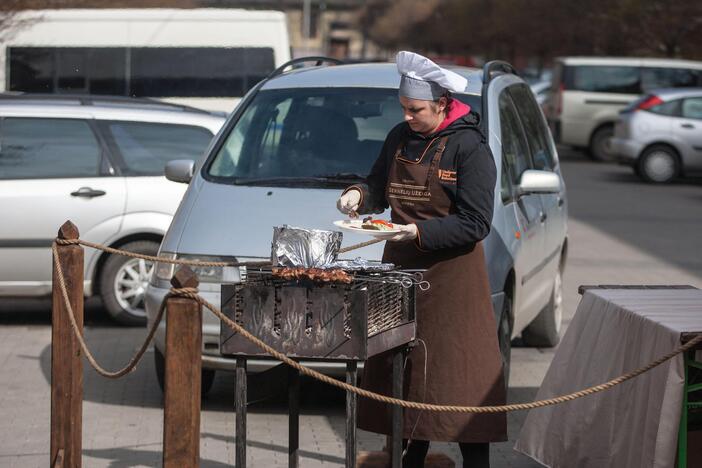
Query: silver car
[
  {"x": 300, "y": 137},
  {"x": 99, "y": 162},
  {"x": 660, "y": 135}
]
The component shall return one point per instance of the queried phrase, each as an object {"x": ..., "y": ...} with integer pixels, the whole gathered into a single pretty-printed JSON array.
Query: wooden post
[
  {"x": 66, "y": 366},
  {"x": 293, "y": 418},
  {"x": 351, "y": 400},
  {"x": 181, "y": 418},
  {"x": 240, "y": 408}
]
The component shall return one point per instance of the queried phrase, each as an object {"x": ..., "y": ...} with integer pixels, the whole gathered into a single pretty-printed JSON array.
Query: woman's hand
[
  {"x": 407, "y": 232},
  {"x": 348, "y": 203}
]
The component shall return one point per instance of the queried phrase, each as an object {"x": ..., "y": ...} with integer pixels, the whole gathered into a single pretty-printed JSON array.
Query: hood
[
  {"x": 457, "y": 109},
  {"x": 235, "y": 220}
]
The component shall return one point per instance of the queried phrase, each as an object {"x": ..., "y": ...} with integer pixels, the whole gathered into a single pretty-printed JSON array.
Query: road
[{"x": 620, "y": 231}]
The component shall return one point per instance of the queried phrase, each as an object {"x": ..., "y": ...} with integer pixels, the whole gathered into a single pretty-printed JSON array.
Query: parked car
[
  {"x": 300, "y": 137},
  {"x": 660, "y": 135},
  {"x": 99, "y": 162},
  {"x": 588, "y": 93}
]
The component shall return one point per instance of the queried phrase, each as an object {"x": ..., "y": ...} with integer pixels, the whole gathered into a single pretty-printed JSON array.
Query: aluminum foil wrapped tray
[
  {"x": 313, "y": 248},
  {"x": 306, "y": 248}
]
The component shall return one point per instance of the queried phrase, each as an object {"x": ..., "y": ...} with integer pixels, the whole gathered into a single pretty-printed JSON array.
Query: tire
[
  {"x": 599, "y": 144},
  {"x": 123, "y": 281},
  {"x": 543, "y": 331},
  {"x": 504, "y": 335},
  {"x": 659, "y": 164},
  {"x": 208, "y": 375}
]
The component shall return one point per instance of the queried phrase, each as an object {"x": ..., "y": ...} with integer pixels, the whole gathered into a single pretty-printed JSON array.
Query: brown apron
[{"x": 455, "y": 322}]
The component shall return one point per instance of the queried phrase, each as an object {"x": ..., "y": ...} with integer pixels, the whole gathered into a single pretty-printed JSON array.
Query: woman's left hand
[{"x": 407, "y": 232}]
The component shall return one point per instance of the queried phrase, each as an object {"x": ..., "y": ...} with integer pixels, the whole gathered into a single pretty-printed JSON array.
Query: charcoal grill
[{"x": 309, "y": 320}]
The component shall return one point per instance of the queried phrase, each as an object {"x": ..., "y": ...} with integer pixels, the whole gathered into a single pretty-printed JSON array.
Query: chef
[{"x": 437, "y": 175}]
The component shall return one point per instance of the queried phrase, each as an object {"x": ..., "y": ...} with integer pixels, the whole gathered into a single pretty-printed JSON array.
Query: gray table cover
[{"x": 634, "y": 424}]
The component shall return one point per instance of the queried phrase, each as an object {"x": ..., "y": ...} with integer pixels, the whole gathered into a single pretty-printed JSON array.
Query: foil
[{"x": 306, "y": 248}]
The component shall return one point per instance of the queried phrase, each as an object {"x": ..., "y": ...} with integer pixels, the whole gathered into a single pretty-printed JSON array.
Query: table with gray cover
[{"x": 634, "y": 424}]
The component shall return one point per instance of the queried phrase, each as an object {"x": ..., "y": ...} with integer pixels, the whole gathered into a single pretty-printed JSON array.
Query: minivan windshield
[{"x": 323, "y": 137}]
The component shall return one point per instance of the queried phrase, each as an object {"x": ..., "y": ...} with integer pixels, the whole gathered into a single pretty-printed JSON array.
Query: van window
[
  {"x": 652, "y": 78},
  {"x": 310, "y": 132},
  {"x": 145, "y": 147},
  {"x": 692, "y": 108},
  {"x": 536, "y": 133},
  {"x": 35, "y": 148},
  {"x": 139, "y": 71},
  {"x": 603, "y": 79},
  {"x": 515, "y": 150}
]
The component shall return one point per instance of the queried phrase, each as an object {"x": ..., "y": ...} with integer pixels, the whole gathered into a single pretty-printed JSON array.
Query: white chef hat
[{"x": 425, "y": 80}]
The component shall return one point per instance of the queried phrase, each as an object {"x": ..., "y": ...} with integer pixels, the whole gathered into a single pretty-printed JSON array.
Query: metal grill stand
[{"x": 329, "y": 322}]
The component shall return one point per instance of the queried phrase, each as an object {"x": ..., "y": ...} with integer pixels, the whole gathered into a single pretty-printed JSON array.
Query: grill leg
[
  {"x": 351, "y": 379},
  {"x": 240, "y": 407},
  {"x": 293, "y": 417},
  {"x": 397, "y": 410}
]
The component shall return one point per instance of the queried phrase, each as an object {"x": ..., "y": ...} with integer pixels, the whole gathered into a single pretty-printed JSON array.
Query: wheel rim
[
  {"x": 130, "y": 284},
  {"x": 558, "y": 301},
  {"x": 604, "y": 146},
  {"x": 659, "y": 166}
]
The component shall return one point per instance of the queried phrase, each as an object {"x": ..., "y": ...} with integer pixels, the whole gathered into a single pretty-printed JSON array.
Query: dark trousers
[{"x": 474, "y": 455}]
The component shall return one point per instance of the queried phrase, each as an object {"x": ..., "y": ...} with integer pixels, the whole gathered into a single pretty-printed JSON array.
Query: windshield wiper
[
  {"x": 343, "y": 176},
  {"x": 306, "y": 181}
]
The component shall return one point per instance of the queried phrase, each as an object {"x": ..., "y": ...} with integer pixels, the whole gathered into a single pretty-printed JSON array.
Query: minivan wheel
[
  {"x": 658, "y": 164},
  {"x": 208, "y": 375},
  {"x": 600, "y": 144},
  {"x": 504, "y": 335},
  {"x": 123, "y": 281},
  {"x": 544, "y": 330}
]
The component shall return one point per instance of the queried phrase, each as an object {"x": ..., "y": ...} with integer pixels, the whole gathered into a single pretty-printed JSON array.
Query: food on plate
[
  {"x": 315, "y": 274},
  {"x": 377, "y": 224}
]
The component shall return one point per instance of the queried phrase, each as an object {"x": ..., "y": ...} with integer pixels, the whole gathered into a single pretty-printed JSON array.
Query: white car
[{"x": 97, "y": 161}]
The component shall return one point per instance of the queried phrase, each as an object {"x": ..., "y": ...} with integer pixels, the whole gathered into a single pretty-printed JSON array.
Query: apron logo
[{"x": 447, "y": 176}]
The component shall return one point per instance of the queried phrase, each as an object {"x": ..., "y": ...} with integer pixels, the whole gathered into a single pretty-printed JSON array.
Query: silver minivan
[{"x": 300, "y": 137}]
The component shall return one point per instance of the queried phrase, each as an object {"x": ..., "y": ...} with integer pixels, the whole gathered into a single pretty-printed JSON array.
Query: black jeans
[{"x": 475, "y": 455}]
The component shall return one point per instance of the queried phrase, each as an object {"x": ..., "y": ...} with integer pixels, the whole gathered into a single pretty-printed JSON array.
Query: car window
[
  {"x": 515, "y": 150},
  {"x": 692, "y": 108},
  {"x": 33, "y": 148},
  {"x": 534, "y": 127},
  {"x": 604, "y": 79},
  {"x": 145, "y": 147},
  {"x": 652, "y": 78},
  {"x": 307, "y": 132},
  {"x": 671, "y": 108}
]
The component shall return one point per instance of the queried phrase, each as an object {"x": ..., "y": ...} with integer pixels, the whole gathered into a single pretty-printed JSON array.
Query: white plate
[{"x": 354, "y": 225}]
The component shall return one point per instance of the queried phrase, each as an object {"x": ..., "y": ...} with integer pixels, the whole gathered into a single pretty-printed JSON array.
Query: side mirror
[
  {"x": 180, "y": 170},
  {"x": 533, "y": 181}
]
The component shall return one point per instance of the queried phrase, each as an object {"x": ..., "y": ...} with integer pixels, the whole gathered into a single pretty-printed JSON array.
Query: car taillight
[{"x": 647, "y": 103}]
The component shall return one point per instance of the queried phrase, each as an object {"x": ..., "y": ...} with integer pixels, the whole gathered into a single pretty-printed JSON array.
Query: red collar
[{"x": 457, "y": 110}]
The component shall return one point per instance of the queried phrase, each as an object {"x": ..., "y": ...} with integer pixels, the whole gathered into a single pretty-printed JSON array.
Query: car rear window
[
  {"x": 310, "y": 132},
  {"x": 146, "y": 147}
]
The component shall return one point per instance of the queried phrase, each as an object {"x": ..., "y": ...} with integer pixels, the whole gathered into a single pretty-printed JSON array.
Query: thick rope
[
  {"x": 425, "y": 406},
  {"x": 193, "y": 294},
  {"x": 84, "y": 347},
  {"x": 152, "y": 258}
]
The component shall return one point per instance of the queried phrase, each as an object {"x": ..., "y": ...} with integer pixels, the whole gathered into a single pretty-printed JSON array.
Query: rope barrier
[
  {"x": 153, "y": 258},
  {"x": 192, "y": 293}
]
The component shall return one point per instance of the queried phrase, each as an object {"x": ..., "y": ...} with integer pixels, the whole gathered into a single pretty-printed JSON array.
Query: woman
[{"x": 437, "y": 175}]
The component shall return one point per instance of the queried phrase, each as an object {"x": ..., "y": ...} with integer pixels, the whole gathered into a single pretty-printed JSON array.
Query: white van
[
  {"x": 204, "y": 57},
  {"x": 588, "y": 93}
]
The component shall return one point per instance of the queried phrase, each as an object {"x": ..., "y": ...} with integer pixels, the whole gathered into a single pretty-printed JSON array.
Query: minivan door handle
[
  {"x": 543, "y": 217},
  {"x": 87, "y": 192},
  {"x": 560, "y": 201},
  {"x": 687, "y": 125}
]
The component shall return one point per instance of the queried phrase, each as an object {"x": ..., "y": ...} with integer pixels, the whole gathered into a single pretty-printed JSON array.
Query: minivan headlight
[{"x": 205, "y": 274}]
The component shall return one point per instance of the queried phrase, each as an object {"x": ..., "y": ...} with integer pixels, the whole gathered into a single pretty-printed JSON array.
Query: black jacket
[{"x": 472, "y": 194}]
